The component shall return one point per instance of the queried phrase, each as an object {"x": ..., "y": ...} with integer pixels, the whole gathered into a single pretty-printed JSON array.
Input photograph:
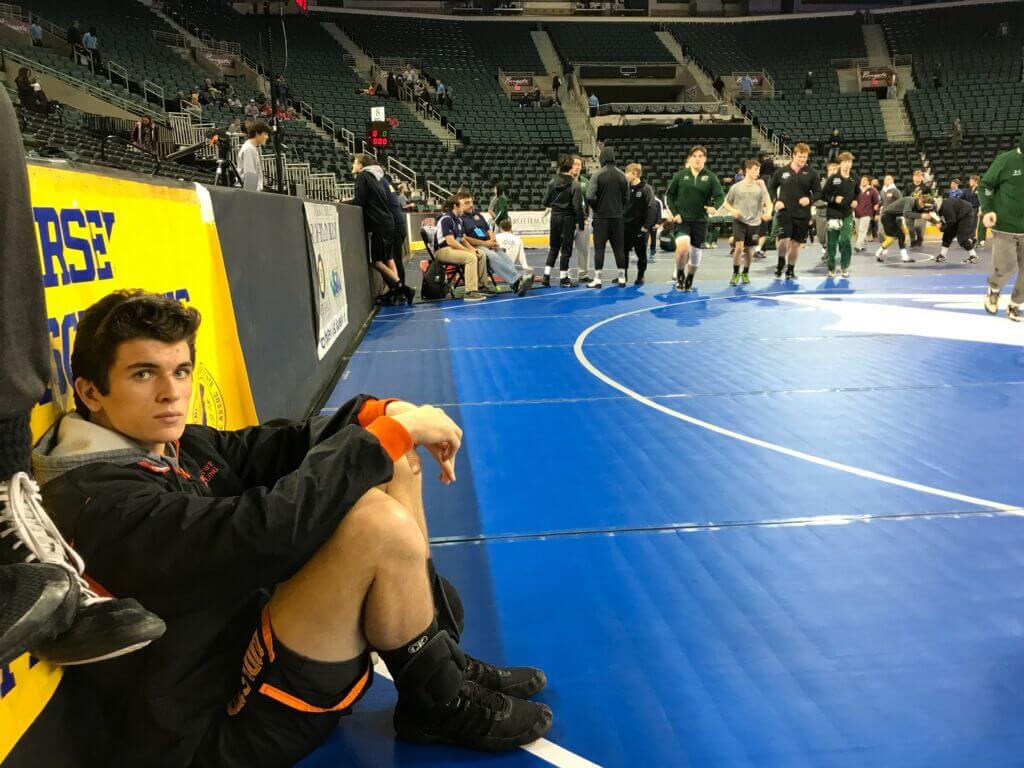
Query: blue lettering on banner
[
  {"x": 8, "y": 682},
  {"x": 62, "y": 332},
  {"x": 73, "y": 244}
]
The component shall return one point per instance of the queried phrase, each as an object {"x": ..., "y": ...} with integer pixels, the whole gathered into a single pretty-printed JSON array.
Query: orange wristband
[
  {"x": 394, "y": 438},
  {"x": 373, "y": 410}
]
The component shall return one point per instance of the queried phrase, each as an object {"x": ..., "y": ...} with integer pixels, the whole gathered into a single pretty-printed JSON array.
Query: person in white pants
[
  {"x": 581, "y": 244},
  {"x": 868, "y": 203}
]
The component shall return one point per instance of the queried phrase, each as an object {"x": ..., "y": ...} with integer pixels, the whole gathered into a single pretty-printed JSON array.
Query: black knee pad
[
  {"x": 451, "y": 616},
  {"x": 433, "y": 676}
]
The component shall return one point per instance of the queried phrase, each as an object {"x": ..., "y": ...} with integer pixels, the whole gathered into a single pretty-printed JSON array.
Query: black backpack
[{"x": 435, "y": 283}]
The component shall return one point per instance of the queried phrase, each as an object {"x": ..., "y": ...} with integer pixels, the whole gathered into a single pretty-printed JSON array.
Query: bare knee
[{"x": 382, "y": 528}]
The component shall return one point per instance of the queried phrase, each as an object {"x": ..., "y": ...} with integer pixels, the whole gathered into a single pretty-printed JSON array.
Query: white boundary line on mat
[
  {"x": 823, "y": 462},
  {"x": 547, "y": 751}
]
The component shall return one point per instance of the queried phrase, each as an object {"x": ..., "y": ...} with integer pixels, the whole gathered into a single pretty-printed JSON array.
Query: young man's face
[
  {"x": 467, "y": 205},
  {"x": 799, "y": 159},
  {"x": 356, "y": 167},
  {"x": 631, "y": 177},
  {"x": 865, "y": 182},
  {"x": 831, "y": 169},
  {"x": 954, "y": 185},
  {"x": 752, "y": 173},
  {"x": 149, "y": 388},
  {"x": 918, "y": 177},
  {"x": 845, "y": 167},
  {"x": 696, "y": 161},
  {"x": 577, "y": 168},
  {"x": 972, "y": 183},
  {"x": 888, "y": 181}
]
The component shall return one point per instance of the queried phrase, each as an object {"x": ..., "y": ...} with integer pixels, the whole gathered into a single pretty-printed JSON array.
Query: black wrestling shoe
[
  {"x": 103, "y": 627},
  {"x": 37, "y": 602},
  {"x": 680, "y": 283},
  {"x": 519, "y": 682},
  {"x": 639, "y": 280},
  {"x": 477, "y": 718},
  {"x": 565, "y": 282},
  {"x": 545, "y": 282}
]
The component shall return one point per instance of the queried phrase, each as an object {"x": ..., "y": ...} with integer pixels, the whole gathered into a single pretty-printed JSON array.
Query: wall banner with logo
[
  {"x": 527, "y": 223},
  {"x": 328, "y": 275},
  {"x": 98, "y": 234}
]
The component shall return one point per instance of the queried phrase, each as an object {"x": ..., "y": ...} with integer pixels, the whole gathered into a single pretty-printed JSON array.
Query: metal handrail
[
  {"x": 115, "y": 69},
  {"x": 14, "y": 12},
  {"x": 349, "y": 139},
  {"x": 154, "y": 90},
  {"x": 133, "y": 145},
  {"x": 402, "y": 171},
  {"x": 437, "y": 192},
  {"x": 111, "y": 98},
  {"x": 170, "y": 38}
]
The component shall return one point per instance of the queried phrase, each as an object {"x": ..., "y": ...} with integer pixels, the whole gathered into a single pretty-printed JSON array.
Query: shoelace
[
  {"x": 23, "y": 517},
  {"x": 485, "y": 697},
  {"x": 476, "y": 668}
]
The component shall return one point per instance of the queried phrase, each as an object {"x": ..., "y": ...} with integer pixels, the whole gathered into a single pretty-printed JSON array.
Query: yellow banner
[{"x": 98, "y": 234}]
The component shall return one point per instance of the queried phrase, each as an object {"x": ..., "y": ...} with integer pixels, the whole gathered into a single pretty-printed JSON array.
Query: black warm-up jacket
[
  {"x": 200, "y": 537},
  {"x": 642, "y": 209}
]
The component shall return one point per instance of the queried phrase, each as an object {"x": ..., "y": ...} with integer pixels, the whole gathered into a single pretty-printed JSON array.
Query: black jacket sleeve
[
  {"x": 815, "y": 192},
  {"x": 549, "y": 194},
  {"x": 577, "y": 205},
  {"x": 651, "y": 208},
  {"x": 362, "y": 190},
  {"x": 140, "y": 539},
  {"x": 262, "y": 455}
]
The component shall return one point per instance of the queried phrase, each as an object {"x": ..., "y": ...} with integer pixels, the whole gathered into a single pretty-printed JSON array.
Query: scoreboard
[{"x": 378, "y": 134}]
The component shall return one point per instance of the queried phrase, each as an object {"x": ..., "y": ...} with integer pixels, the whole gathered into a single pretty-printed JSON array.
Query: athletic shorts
[
  {"x": 697, "y": 231},
  {"x": 766, "y": 227},
  {"x": 963, "y": 231},
  {"x": 285, "y": 708},
  {"x": 791, "y": 228},
  {"x": 892, "y": 225},
  {"x": 381, "y": 246},
  {"x": 745, "y": 233}
]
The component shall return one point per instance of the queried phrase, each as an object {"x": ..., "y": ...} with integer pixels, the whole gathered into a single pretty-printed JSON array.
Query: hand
[
  {"x": 766, "y": 217},
  {"x": 711, "y": 210},
  {"x": 677, "y": 219},
  {"x": 805, "y": 201},
  {"x": 839, "y": 199},
  {"x": 644, "y": 230},
  {"x": 779, "y": 205},
  {"x": 398, "y": 407},
  {"x": 432, "y": 428},
  {"x": 989, "y": 219}
]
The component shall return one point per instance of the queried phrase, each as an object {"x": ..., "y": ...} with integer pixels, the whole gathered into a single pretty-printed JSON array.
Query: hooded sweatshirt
[
  {"x": 608, "y": 191},
  {"x": 199, "y": 536},
  {"x": 565, "y": 198},
  {"x": 1002, "y": 190},
  {"x": 642, "y": 210},
  {"x": 372, "y": 197}
]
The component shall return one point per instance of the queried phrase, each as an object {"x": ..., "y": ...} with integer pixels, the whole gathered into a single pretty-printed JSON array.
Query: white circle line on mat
[{"x": 792, "y": 453}]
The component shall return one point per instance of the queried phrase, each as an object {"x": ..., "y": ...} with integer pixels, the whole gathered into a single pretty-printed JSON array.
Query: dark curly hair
[{"x": 122, "y": 316}]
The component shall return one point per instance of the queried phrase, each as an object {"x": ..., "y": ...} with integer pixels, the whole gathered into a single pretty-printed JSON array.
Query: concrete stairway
[
  {"x": 874, "y": 42},
  {"x": 897, "y": 121},
  {"x": 576, "y": 116}
]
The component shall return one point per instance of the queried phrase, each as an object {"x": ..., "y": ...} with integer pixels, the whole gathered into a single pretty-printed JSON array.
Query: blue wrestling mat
[{"x": 765, "y": 527}]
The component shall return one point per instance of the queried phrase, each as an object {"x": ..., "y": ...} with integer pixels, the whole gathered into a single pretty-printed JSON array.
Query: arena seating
[
  {"x": 877, "y": 158},
  {"x": 68, "y": 134},
  {"x": 608, "y": 43},
  {"x": 788, "y": 50},
  {"x": 973, "y": 156},
  {"x": 125, "y": 32}
]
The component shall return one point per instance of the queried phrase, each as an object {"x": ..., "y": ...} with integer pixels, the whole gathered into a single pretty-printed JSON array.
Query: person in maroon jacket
[
  {"x": 868, "y": 202},
  {"x": 278, "y": 555}
]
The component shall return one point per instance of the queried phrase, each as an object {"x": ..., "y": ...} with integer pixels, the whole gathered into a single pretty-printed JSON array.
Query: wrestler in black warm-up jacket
[
  {"x": 790, "y": 186},
  {"x": 200, "y": 537}
]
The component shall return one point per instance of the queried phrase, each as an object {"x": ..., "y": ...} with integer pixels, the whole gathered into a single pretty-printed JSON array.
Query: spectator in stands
[
  {"x": 593, "y": 102},
  {"x": 36, "y": 32},
  {"x": 194, "y": 103},
  {"x": 498, "y": 207},
  {"x": 372, "y": 194},
  {"x": 556, "y": 84},
  {"x": 235, "y": 126},
  {"x": 391, "y": 85},
  {"x": 283, "y": 91},
  {"x": 937, "y": 75},
  {"x": 956, "y": 133},
  {"x": 439, "y": 90},
  {"x": 449, "y": 97},
  {"x": 251, "y": 110},
  {"x": 234, "y": 102},
  {"x": 74, "y": 38},
  {"x": 809, "y": 84},
  {"x": 91, "y": 43},
  {"x": 449, "y": 248},
  {"x": 1004, "y": 29},
  {"x": 478, "y": 234},
  {"x": 31, "y": 94},
  {"x": 746, "y": 86},
  {"x": 145, "y": 134},
  {"x": 868, "y": 201},
  {"x": 835, "y": 141},
  {"x": 265, "y": 110},
  {"x": 53, "y": 611},
  {"x": 250, "y": 159}
]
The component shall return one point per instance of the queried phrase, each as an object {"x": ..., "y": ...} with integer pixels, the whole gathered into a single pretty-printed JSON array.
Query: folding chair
[{"x": 454, "y": 273}]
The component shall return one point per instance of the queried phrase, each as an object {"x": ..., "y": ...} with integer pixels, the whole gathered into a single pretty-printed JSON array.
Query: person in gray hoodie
[{"x": 607, "y": 197}]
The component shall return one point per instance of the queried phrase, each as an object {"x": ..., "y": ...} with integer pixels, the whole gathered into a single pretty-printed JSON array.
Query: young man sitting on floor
[{"x": 282, "y": 552}]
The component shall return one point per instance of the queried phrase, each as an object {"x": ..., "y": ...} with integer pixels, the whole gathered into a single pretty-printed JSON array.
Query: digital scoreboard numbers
[{"x": 378, "y": 134}]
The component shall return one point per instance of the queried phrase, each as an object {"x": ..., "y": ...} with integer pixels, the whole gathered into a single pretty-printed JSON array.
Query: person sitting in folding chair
[{"x": 450, "y": 249}]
